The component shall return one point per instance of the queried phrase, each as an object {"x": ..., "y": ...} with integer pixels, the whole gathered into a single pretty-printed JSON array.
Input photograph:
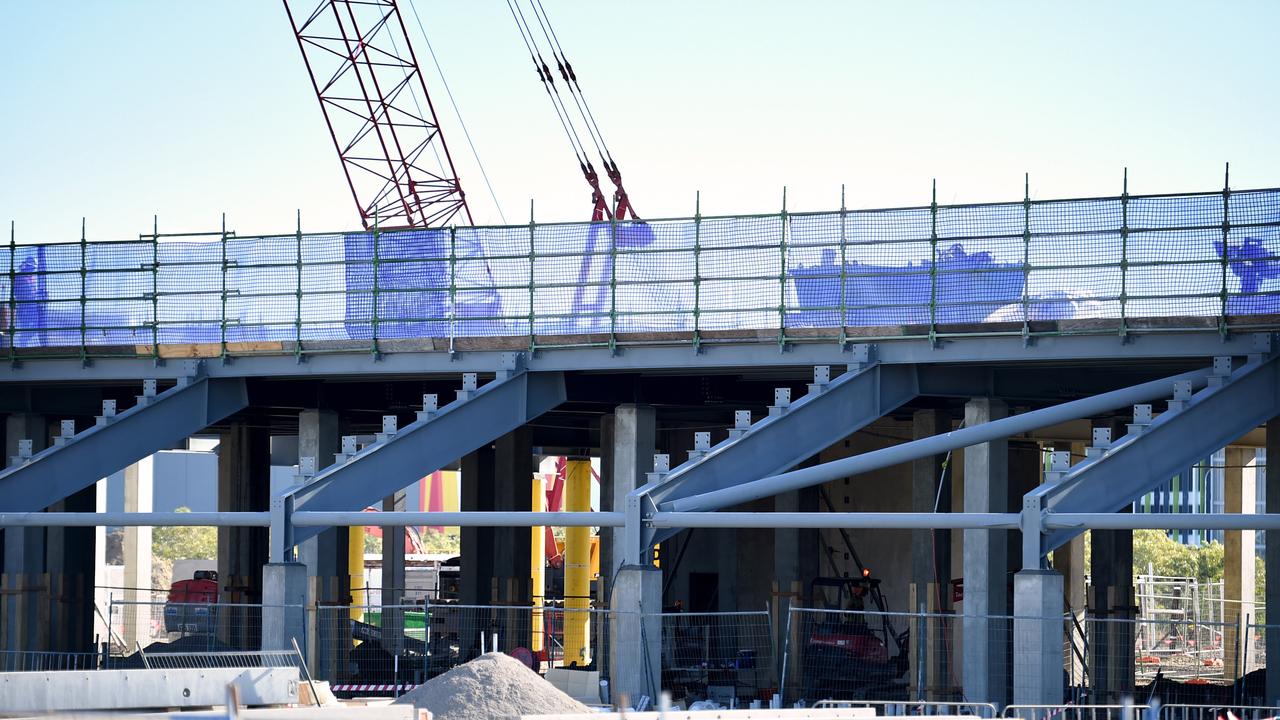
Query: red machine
[
  {"x": 191, "y": 603},
  {"x": 201, "y": 588}
]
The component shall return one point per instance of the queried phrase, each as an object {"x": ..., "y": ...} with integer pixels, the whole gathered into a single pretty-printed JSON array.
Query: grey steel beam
[
  {"x": 1161, "y": 521},
  {"x": 136, "y": 519},
  {"x": 1105, "y": 345},
  {"x": 436, "y": 439},
  {"x": 158, "y": 421},
  {"x": 821, "y": 520},
  {"x": 1151, "y": 453},
  {"x": 934, "y": 445},
  {"x": 476, "y": 518},
  {"x": 792, "y": 432}
]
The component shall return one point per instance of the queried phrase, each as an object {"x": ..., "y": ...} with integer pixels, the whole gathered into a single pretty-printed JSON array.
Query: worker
[
  {"x": 29, "y": 298},
  {"x": 856, "y": 598}
]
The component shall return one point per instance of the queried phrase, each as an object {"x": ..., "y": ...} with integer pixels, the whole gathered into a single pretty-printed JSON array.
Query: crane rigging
[{"x": 621, "y": 208}]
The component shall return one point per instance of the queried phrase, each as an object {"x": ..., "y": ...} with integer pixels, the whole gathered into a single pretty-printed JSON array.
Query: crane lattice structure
[{"x": 379, "y": 114}]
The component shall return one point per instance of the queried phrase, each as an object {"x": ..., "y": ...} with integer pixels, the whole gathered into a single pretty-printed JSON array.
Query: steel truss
[
  {"x": 77, "y": 460},
  {"x": 399, "y": 456}
]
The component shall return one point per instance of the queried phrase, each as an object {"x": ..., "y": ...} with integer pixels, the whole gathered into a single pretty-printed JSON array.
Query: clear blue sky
[{"x": 120, "y": 110}]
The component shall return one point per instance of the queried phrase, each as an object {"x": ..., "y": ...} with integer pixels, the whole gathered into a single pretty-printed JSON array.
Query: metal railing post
[
  {"x": 297, "y": 314},
  {"x": 697, "y": 272},
  {"x": 533, "y": 253},
  {"x": 782, "y": 277},
  {"x": 222, "y": 323},
  {"x": 1124, "y": 256},
  {"x": 84, "y": 294},
  {"x": 377, "y": 270},
  {"x": 844, "y": 270},
  {"x": 613, "y": 285},
  {"x": 1026, "y": 258},
  {"x": 13, "y": 301},
  {"x": 1226, "y": 249},
  {"x": 155, "y": 292},
  {"x": 933, "y": 265},
  {"x": 453, "y": 288}
]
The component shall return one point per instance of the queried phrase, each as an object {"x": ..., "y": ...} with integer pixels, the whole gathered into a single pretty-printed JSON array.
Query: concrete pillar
[
  {"x": 284, "y": 598},
  {"x": 139, "y": 484},
  {"x": 23, "y": 558},
  {"x": 70, "y": 556},
  {"x": 1240, "y": 495},
  {"x": 512, "y": 476},
  {"x": 244, "y": 484},
  {"x": 1068, "y": 560},
  {"x": 930, "y": 554},
  {"x": 635, "y": 635},
  {"x": 634, "y": 443},
  {"x": 1037, "y": 638},
  {"x": 393, "y": 577},
  {"x": 1272, "y": 562},
  {"x": 325, "y": 554},
  {"x": 1111, "y": 601},
  {"x": 477, "y": 546},
  {"x": 986, "y": 489}
]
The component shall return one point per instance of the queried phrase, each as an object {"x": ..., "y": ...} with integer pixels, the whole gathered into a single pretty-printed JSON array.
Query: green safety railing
[{"x": 1108, "y": 265}]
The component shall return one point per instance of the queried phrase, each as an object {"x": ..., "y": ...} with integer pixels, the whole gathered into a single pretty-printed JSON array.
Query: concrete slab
[{"x": 73, "y": 690}]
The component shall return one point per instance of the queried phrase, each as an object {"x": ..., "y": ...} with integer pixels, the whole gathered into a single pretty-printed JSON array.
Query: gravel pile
[{"x": 491, "y": 687}]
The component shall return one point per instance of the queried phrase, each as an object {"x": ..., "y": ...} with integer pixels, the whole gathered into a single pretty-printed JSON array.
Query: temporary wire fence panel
[
  {"x": 221, "y": 659},
  {"x": 165, "y": 627},
  {"x": 864, "y": 655},
  {"x": 916, "y": 708},
  {"x": 1218, "y": 712},
  {"x": 1118, "y": 711},
  {"x": 1199, "y": 261},
  {"x": 724, "y": 657},
  {"x": 42, "y": 661}
]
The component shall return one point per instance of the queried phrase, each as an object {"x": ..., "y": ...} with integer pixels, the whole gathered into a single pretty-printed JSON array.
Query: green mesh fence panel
[{"x": 1201, "y": 260}]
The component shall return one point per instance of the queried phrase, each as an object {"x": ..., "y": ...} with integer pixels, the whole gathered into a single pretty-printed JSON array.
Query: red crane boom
[{"x": 368, "y": 82}]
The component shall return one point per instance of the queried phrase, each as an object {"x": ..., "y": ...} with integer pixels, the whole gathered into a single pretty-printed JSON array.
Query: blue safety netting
[{"x": 966, "y": 266}]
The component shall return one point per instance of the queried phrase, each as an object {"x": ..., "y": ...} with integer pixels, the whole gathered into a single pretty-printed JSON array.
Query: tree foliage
[{"x": 181, "y": 543}]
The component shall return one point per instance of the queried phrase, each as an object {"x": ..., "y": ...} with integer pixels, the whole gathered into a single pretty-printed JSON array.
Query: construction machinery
[
  {"x": 192, "y": 605},
  {"x": 847, "y": 655}
]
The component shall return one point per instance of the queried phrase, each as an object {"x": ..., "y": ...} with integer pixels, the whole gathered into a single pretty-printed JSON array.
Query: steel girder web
[
  {"x": 158, "y": 421},
  {"x": 435, "y": 439},
  {"x": 934, "y": 445},
  {"x": 1118, "y": 473},
  {"x": 792, "y": 433}
]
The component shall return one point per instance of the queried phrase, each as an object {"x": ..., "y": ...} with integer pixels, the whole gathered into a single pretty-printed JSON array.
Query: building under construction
[{"x": 848, "y": 455}]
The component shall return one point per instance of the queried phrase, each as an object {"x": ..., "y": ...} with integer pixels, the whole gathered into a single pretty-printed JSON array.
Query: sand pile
[{"x": 491, "y": 687}]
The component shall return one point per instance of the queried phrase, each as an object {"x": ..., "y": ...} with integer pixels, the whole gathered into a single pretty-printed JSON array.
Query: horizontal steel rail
[
  {"x": 317, "y": 518},
  {"x": 866, "y": 520}
]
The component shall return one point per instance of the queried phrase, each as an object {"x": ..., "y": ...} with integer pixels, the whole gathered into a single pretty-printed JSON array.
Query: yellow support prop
[
  {"x": 355, "y": 567},
  {"x": 537, "y": 565},
  {"x": 577, "y": 566}
]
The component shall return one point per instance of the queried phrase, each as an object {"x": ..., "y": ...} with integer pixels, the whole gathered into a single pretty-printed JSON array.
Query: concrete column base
[
  {"x": 1037, "y": 638},
  {"x": 284, "y": 612},
  {"x": 636, "y": 649}
]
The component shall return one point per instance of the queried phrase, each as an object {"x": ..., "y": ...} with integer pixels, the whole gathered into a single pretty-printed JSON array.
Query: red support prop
[{"x": 368, "y": 82}]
